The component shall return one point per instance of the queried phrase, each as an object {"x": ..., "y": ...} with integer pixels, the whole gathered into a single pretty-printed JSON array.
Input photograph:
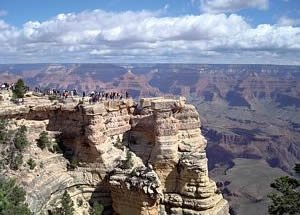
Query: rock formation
[{"x": 147, "y": 158}]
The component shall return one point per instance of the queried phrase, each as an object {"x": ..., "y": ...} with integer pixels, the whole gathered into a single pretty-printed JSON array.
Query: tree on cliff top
[
  {"x": 20, "y": 89},
  {"x": 287, "y": 198}
]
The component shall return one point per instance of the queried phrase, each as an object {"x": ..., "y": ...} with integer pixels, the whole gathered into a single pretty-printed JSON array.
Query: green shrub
[
  {"x": 57, "y": 146},
  {"x": 67, "y": 206},
  {"x": 97, "y": 209},
  {"x": 286, "y": 199},
  {"x": 3, "y": 130},
  {"x": 42, "y": 165},
  {"x": 16, "y": 141},
  {"x": 43, "y": 140},
  {"x": 56, "y": 149},
  {"x": 31, "y": 163},
  {"x": 16, "y": 160},
  {"x": 79, "y": 201},
  {"x": 12, "y": 198},
  {"x": 20, "y": 139},
  {"x": 73, "y": 164}
]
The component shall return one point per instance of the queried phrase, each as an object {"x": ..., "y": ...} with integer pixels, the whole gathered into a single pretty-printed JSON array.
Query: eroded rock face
[{"x": 140, "y": 159}]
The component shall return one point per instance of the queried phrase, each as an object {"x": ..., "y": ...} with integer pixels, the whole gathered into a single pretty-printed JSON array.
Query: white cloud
[
  {"x": 99, "y": 36},
  {"x": 3, "y": 12},
  {"x": 220, "y": 6},
  {"x": 100, "y": 52},
  {"x": 286, "y": 21}
]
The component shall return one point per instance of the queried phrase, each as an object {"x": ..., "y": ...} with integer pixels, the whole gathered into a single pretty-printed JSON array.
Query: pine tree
[{"x": 20, "y": 89}]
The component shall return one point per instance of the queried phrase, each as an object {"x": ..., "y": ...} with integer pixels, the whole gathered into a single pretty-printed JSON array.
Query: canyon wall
[{"x": 147, "y": 158}]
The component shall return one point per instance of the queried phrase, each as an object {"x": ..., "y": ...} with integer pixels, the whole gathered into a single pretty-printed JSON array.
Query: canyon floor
[{"x": 247, "y": 185}]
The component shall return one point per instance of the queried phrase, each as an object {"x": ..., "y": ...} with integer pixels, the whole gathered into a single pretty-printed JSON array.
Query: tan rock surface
[{"x": 139, "y": 159}]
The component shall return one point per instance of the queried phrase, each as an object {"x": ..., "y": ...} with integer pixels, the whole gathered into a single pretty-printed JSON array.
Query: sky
[{"x": 150, "y": 31}]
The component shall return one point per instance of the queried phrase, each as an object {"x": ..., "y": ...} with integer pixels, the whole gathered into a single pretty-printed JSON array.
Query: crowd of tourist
[
  {"x": 54, "y": 92},
  {"x": 100, "y": 96},
  {"x": 92, "y": 97},
  {"x": 95, "y": 96}
]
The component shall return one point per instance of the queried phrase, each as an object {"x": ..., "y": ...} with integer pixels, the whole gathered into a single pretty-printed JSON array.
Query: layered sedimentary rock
[{"x": 147, "y": 158}]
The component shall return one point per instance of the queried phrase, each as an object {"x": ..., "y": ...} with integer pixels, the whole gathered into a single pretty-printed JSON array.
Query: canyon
[
  {"x": 134, "y": 158},
  {"x": 249, "y": 112}
]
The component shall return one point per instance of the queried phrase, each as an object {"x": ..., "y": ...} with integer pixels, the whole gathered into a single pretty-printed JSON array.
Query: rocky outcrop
[
  {"x": 147, "y": 158},
  {"x": 136, "y": 191}
]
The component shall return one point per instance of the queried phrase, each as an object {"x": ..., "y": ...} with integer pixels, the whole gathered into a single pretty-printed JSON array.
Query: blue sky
[
  {"x": 196, "y": 31},
  {"x": 19, "y": 12}
]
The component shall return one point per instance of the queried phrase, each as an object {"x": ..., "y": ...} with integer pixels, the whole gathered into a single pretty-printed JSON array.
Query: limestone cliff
[{"x": 147, "y": 158}]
